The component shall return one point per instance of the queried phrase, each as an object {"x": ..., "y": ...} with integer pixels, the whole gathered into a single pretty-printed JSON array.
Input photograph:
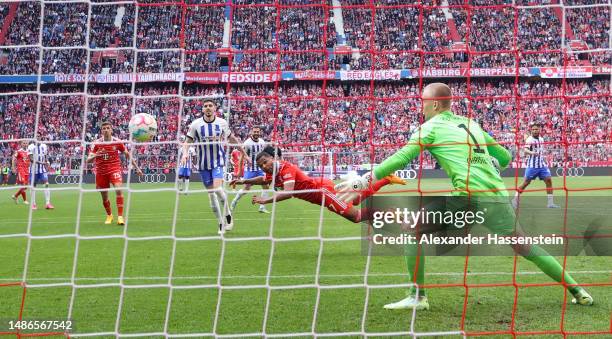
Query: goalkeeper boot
[
  {"x": 582, "y": 297},
  {"x": 262, "y": 209},
  {"x": 120, "y": 220},
  {"x": 109, "y": 219},
  {"x": 394, "y": 179},
  {"x": 49, "y": 206},
  {"x": 410, "y": 302},
  {"x": 552, "y": 206},
  {"x": 34, "y": 207}
]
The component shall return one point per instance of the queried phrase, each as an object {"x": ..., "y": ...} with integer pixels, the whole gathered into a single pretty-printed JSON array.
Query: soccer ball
[{"x": 143, "y": 127}]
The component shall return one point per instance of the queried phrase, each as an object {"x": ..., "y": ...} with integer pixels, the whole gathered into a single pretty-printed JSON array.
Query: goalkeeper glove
[{"x": 350, "y": 189}]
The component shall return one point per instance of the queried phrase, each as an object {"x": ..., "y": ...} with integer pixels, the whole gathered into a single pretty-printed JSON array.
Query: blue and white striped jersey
[
  {"x": 212, "y": 154},
  {"x": 535, "y": 145},
  {"x": 253, "y": 148},
  {"x": 39, "y": 154}
]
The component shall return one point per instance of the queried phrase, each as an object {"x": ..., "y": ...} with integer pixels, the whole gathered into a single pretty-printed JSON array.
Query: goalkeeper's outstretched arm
[{"x": 497, "y": 151}]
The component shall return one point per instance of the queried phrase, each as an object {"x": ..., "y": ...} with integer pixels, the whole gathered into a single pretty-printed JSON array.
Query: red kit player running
[
  {"x": 21, "y": 167},
  {"x": 108, "y": 169},
  {"x": 290, "y": 178}
]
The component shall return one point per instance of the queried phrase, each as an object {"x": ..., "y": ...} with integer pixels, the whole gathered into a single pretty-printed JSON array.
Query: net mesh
[{"x": 351, "y": 125}]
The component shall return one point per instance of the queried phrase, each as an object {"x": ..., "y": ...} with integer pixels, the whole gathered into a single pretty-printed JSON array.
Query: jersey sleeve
[
  {"x": 121, "y": 147},
  {"x": 419, "y": 140},
  {"x": 497, "y": 151},
  {"x": 31, "y": 148},
  {"x": 288, "y": 173},
  {"x": 192, "y": 130}
]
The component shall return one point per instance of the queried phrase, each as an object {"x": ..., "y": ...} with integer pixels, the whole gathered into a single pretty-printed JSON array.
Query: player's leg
[
  {"x": 390, "y": 179},
  {"x": 21, "y": 180},
  {"x": 45, "y": 179},
  {"x": 207, "y": 181},
  {"x": 416, "y": 297},
  {"x": 116, "y": 181},
  {"x": 181, "y": 181},
  {"x": 103, "y": 182},
  {"x": 546, "y": 176},
  {"x": 186, "y": 181},
  {"x": 217, "y": 174},
  {"x": 33, "y": 179},
  {"x": 264, "y": 194},
  {"x": 529, "y": 175},
  {"x": 500, "y": 219},
  {"x": 241, "y": 192}
]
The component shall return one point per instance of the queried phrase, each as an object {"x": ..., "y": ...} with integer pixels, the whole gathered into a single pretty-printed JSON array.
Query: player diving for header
[
  {"x": 463, "y": 150},
  {"x": 318, "y": 191}
]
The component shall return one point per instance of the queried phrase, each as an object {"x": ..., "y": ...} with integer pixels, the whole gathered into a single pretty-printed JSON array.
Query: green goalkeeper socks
[
  {"x": 551, "y": 267},
  {"x": 413, "y": 263}
]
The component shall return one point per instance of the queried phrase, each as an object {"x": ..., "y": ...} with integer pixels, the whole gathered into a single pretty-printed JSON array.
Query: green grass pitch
[{"x": 246, "y": 263}]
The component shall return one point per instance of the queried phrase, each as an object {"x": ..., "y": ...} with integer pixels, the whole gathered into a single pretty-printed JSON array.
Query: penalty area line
[{"x": 299, "y": 276}]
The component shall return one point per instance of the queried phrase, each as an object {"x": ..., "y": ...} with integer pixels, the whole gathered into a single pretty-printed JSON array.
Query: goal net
[{"x": 337, "y": 85}]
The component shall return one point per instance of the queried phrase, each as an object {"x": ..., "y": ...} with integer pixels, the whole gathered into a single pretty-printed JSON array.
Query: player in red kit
[
  {"x": 108, "y": 169},
  {"x": 237, "y": 163},
  {"x": 290, "y": 178},
  {"x": 21, "y": 167}
]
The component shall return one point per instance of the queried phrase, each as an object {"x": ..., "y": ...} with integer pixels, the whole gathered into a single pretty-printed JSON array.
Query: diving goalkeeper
[{"x": 466, "y": 153}]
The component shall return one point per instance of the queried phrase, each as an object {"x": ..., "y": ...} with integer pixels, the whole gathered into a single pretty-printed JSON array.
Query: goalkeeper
[{"x": 464, "y": 151}]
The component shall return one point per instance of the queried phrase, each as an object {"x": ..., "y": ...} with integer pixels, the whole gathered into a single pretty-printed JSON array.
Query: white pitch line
[{"x": 300, "y": 276}]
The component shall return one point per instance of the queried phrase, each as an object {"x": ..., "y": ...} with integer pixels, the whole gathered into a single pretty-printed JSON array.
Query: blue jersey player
[
  {"x": 211, "y": 134},
  {"x": 252, "y": 146},
  {"x": 536, "y": 165},
  {"x": 39, "y": 168}
]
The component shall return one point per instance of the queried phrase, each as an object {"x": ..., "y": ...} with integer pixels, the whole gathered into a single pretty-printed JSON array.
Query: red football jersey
[
  {"x": 236, "y": 162},
  {"x": 287, "y": 172},
  {"x": 23, "y": 161},
  {"x": 107, "y": 159}
]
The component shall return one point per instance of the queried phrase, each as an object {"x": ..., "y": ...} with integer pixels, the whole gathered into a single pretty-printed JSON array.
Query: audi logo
[
  {"x": 64, "y": 179},
  {"x": 577, "y": 171},
  {"x": 153, "y": 178},
  {"x": 407, "y": 174}
]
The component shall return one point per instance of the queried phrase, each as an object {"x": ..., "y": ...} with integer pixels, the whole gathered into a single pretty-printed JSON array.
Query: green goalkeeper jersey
[{"x": 461, "y": 148}]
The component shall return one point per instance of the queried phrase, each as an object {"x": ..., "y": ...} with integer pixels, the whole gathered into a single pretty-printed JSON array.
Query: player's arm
[
  {"x": 253, "y": 181},
  {"x": 420, "y": 138},
  {"x": 14, "y": 163},
  {"x": 497, "y": 151},
  {"x": 286, "y": 194},
  {"x": 236, "y": 141},
  {"x": 132, "y": 161}
]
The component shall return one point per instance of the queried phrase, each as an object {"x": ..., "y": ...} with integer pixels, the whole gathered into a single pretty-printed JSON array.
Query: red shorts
[
  {"x": 23, "y": 178},
  {"x": 327, "y": 197},
  {"x": 237, "y": 172},
  {"x": 104, "y": 180}
]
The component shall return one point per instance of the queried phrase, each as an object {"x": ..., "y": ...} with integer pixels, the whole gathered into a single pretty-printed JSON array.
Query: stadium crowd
[
  {"x": 305, "y": 115},
  {"x": 301, "y": 32}
]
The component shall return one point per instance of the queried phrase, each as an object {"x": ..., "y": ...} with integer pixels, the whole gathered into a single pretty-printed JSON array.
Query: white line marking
[{"x": 299, "y": 276}]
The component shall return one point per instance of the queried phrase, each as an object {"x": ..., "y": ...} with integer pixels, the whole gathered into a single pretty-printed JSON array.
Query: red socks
[
  {"x": 107, "y": 207},
  {"x": 120, "y": 206}
]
